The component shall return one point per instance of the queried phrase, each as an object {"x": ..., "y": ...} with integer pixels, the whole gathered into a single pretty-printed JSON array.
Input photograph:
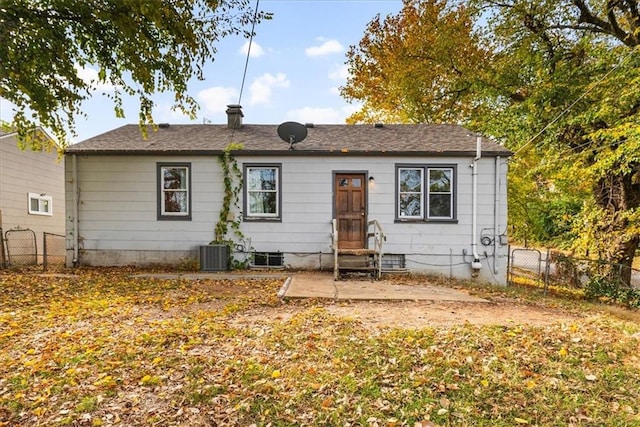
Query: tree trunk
[
  {"x": 622, "y": 261},
  {"x": 618, "y": 195}
]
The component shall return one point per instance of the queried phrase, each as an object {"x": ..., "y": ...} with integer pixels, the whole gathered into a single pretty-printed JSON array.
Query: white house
[
  {"x": 31, "y": 192},
  {"x": 436, "y": 192}
]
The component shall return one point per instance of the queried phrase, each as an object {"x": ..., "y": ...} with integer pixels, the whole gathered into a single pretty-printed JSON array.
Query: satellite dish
[{"x": 292, "y": 132}]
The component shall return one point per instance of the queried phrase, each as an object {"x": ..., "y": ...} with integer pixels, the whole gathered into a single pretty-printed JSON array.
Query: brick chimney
[{"x": 234, "y": 116}]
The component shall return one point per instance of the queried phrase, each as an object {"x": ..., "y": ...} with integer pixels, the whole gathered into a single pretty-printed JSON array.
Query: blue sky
[{"x": 295, "y": 69}]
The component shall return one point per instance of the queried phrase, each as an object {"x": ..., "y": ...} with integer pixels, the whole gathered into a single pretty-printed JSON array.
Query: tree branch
[{"x": 611, "y": 25}]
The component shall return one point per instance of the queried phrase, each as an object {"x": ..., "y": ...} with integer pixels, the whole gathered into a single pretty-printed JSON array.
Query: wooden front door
[{"x": 350, "y": 199}]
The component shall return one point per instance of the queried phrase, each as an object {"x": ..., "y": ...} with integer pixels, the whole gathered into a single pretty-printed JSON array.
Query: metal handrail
[
  {"x": 378, "y": 238},
  {"x": 334, "y": 247}
]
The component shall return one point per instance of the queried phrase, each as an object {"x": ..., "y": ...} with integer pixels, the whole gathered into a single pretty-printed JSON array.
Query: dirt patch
[
  {"x": 418, "y": 314},
  {"x": 421, "y": 314}
]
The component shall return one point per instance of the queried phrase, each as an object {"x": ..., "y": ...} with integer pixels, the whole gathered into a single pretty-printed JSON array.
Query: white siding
[
  {"x": 23, "y": 172},
  {"x": 118, "y": 212}
]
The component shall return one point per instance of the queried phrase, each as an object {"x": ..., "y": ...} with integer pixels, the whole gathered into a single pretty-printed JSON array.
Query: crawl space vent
[
  {"x": 268, "y": 259},
  {"x": 393, "y": 262}
]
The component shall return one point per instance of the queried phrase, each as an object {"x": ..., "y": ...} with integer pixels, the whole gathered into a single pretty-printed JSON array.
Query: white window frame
[
  {"x": 43, "y": 200},
  {"x": 248, "y": 215},
  {"x": 162, "y": 212}
]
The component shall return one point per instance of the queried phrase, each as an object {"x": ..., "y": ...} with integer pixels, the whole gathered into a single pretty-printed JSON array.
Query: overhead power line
[
  {"x": 246, "y": 64},
  {"x": 566, "y": 110}
]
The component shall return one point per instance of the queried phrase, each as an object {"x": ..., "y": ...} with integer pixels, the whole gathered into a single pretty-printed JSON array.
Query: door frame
[{"x": 365, "y": 184}]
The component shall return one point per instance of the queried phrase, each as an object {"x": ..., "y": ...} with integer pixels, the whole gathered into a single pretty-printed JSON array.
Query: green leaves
[
  {"x": 555, "y": 81},
  {"x": 228, "y": 225},
  {"x": 578, "y": 120},
  {"x": 140, "y": 48}
]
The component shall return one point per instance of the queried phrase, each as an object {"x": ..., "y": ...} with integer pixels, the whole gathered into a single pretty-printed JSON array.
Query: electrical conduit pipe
[{"x": 475, "y": 263}]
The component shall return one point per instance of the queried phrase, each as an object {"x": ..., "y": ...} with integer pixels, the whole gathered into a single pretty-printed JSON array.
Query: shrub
[{"x": 607, "y": 289}]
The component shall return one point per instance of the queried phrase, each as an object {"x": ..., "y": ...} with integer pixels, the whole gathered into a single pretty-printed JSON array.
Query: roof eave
[{"x": 293, "y": 153}]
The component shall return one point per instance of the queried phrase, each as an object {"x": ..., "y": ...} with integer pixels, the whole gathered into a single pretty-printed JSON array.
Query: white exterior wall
[
  {"x": 117, "y": 213},
  {"x": 23, "y": 172}
]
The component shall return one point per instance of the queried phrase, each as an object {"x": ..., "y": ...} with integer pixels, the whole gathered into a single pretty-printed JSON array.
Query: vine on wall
[{"x": 228, "y": 226}]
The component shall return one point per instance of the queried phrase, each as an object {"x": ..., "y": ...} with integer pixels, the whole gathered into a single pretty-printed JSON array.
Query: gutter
[
  {"x": 37, "y": 128},
  {"x": 279, "y": 153}
]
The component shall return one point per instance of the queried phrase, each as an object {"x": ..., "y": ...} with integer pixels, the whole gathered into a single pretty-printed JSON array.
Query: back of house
[{"x": 425, "y": 198}]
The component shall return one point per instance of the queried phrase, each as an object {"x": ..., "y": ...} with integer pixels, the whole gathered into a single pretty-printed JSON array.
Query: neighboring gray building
[
  {"x": 31, "y": 187},
  {"x": 133, "y": 200}
]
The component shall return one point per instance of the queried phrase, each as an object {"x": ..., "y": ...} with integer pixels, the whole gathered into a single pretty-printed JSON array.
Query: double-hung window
[
  {"x": 40, "y": 204},
  {"x": 410, "y": 193},
  {"x": 426, "y": 192},
  {"x": 440, "y": 200},
  {"x": 174, "y": 191},
  {"x": 262, "y": 198}
]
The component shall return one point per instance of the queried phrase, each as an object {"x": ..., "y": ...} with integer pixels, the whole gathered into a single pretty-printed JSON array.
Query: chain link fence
[
  {"x": 22, "y": 248},
  {"x": 3, "y": 251},
  {"x": 554, "y": 271},
  {"x": 53, "y": 250},
  {"x": 525, "y": 265},
  {"x": 19, "y": 248}
]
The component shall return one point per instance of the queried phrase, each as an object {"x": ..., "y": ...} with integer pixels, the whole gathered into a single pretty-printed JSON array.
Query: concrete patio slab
[{"x": 319, "y": 285}]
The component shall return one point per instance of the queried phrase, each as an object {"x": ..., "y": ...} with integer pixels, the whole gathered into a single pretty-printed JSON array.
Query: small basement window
[
  {"x": 393, "y": 262},
  {"x": 268, "y": 259},
  {"x": 40, "y": 204}
]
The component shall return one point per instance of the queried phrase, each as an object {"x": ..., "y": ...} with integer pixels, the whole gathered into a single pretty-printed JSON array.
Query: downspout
[
  {"x": 76, "y": 239},
  {"x": 475, "y": 264},
  {"x": 496, "y": 217}
]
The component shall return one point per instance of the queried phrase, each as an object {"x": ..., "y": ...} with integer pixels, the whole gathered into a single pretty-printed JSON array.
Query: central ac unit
[{"x": 214, "y": 257}]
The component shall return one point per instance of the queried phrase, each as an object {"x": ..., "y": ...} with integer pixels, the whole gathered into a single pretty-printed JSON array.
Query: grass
[{"x": 106, "y": 348}]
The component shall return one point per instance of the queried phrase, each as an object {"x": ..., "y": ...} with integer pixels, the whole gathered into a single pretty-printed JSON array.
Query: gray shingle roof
[{"x": 429, "y": 139}]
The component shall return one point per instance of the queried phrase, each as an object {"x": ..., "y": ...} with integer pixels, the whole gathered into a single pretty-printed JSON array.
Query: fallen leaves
[{"x": 108, "y": 348}]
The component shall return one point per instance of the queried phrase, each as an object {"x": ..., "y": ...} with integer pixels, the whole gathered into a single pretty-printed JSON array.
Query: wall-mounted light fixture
[{"x": 371, "y": 179}]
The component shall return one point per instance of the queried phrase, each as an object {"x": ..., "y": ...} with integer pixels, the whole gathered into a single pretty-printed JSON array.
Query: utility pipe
[
  {"x": 475, "y": 263},
  {"x": 74, "y": 177},
  {"x": 496, "y": 217}
]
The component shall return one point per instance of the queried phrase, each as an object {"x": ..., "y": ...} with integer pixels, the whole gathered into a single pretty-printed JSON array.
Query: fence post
[
  {"x": 508, "y": 264},
  {"x": 547, "y": 267},
  {"x": 2, "y": 264},
  {"x": 2, "y": 259},
  {"x": 44, "y": 251}
]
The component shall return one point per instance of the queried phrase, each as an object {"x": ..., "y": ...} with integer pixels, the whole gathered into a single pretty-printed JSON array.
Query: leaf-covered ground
[{"x": 102, "y": 347}]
